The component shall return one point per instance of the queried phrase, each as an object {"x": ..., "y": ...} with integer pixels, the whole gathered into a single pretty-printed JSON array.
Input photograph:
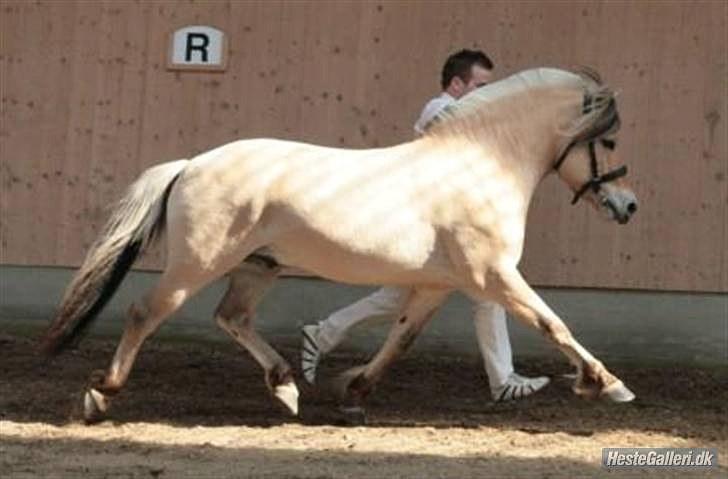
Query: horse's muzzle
[
  {"x": 629, "y": 210},
  {"x": 621, "y": 211}
]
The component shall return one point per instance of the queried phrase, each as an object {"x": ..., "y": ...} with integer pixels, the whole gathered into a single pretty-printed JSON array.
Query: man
[{"x": 462, "y": 73}]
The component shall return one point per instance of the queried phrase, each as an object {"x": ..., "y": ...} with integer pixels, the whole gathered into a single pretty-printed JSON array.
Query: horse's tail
[{"x": 135, "y": 223}]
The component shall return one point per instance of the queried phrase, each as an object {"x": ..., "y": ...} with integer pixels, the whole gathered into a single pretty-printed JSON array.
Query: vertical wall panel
[{"x": 87, "y": 104}]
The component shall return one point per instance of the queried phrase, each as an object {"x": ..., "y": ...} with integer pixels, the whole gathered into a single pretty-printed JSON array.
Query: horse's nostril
[{"x": 632, "y": 208}]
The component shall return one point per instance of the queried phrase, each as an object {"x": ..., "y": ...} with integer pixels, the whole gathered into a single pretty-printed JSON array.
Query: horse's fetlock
[
  {"x": 360, "y": 387},
  {"x": 279, "y": 374},
  {"x": 590, "y": 375},
  {"x": 107, "y": 385},
  {"x": 592, "y": 379}
]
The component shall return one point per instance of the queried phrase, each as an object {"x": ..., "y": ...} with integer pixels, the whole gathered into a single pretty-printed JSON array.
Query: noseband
[{"x": 596, "y": 180}]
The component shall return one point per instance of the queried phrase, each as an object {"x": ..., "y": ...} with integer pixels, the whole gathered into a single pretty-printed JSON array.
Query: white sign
[{"x": 198, "y": 47}]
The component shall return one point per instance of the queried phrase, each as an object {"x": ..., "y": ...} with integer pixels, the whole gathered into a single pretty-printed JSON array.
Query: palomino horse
[{"x": 442, "y": 213}]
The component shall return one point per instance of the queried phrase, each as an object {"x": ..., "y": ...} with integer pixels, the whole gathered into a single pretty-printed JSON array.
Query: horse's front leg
[
  {"x": 248, "y": 284},
  {"x": 354, "y": 384},
  {"x": 593, "y": 379}
]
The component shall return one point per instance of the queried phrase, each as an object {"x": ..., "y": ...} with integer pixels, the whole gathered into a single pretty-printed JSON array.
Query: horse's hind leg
[
  {"x": 235, "y": 314},
  {"x": 144, "y": 318}
]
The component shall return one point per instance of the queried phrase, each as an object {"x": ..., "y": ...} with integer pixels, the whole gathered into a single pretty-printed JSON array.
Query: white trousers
[{"x": 489, "y": 319}]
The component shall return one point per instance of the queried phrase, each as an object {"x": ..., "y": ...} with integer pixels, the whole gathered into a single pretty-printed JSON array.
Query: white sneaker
[
  {"x": 310, "y": 352},
  {"x": 518, "y": 387}
]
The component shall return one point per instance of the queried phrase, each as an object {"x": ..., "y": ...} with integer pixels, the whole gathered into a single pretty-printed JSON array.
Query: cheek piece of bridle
[{"x": 596, "y": 180}]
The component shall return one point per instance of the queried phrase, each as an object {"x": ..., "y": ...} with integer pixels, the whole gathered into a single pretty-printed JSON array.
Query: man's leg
[
  {"x": 321, "y": 338},
  {"x": 495, "y": 346}
]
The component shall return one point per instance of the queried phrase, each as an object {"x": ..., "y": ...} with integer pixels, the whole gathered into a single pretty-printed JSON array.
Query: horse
[{"x": 441, "y": 213}]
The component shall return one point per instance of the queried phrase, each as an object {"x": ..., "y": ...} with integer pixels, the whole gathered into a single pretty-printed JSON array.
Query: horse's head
[
  {"x": 588, "y": 157},
  {"x": 579, "y": 121}
]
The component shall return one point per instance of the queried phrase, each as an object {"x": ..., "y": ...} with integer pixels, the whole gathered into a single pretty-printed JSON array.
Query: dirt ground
[{"x": 202, "y": 411}]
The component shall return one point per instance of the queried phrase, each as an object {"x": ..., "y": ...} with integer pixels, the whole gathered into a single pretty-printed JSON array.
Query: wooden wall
[{"x": 87, "y": 104}]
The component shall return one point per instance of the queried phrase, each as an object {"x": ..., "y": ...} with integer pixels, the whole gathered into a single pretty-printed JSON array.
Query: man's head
[{"x": 464, "y": 71}]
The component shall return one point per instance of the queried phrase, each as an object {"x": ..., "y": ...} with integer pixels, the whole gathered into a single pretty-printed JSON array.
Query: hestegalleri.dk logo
[{"x": 659, "y": 457}]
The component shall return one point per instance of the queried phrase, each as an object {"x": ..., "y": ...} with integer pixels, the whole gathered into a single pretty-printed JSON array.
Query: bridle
[{"x": 596, "y": 180}]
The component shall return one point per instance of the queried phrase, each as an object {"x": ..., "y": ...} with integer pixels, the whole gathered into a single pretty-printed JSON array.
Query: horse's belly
[{"x": 402, "y": 261}]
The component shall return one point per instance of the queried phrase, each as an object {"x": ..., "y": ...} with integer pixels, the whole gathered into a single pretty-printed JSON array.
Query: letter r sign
[{"x": 197, "y": 47}]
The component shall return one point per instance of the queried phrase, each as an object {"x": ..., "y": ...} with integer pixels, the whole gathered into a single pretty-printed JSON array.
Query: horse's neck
[
  {"x": 470, "y": 179},
  {"x": 517, "y": 133},
  {"x": 518, "y": 164}
]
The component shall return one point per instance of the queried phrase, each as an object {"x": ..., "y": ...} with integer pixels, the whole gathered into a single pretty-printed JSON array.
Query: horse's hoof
[
  {"x": 95, "y": 406},
  {"x": 617, "y": 392},
  {"x": 353, "y": 415},
  {"x": 288, "y": 394},
  {"x": 341, "y": 384}
]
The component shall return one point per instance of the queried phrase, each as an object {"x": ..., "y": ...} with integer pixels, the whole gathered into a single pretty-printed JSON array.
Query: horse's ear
[
  {"x": 588, "y": 73},
  {"x": 603, "y": 120}
]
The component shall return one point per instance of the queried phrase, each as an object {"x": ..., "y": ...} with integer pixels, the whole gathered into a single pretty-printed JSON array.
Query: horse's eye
[{"x": 608, "y": 144}]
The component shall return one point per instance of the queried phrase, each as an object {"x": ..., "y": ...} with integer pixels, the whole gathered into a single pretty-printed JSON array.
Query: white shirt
[{"x": 432, "y": 108}]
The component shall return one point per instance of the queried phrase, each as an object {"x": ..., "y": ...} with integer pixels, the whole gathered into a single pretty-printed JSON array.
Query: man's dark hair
[{"x": 460, "y": 63}]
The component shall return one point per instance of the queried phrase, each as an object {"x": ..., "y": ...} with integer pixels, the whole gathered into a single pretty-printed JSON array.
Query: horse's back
[{"x": 308, "y": 200}]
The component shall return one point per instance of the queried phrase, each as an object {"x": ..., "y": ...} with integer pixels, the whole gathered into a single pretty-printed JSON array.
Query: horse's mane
[{"x": 596, "y": 120}]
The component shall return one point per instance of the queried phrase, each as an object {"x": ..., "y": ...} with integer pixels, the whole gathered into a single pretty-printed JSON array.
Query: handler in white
[{"x": 463, "y": 72}]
